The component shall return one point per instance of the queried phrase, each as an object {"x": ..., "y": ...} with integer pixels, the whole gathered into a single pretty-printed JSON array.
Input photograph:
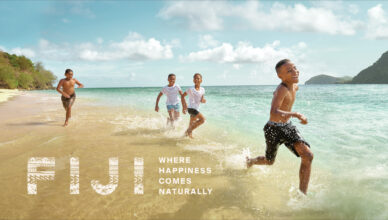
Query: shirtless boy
[
  {"x": 171, "y": 91},
  {"x": 279, "y": 129},
  {"x": 196, "y": 96},
  {"x": 68, "y": 93}
]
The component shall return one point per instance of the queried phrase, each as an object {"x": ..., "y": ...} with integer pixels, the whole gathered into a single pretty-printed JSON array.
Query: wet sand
[
  {"x": 31, "y": 126},
  {"x": 6, "y": 94}
]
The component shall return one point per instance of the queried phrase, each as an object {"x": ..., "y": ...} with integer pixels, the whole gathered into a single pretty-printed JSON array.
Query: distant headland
[
  {"x": 374, "y": 74},
  {"x": 19, "y": 72}
]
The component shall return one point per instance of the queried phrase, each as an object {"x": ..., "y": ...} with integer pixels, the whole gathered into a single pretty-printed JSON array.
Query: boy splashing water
[
  {"x": 279, "y": 130},
  {"x": 171, "y": 91},
  {"x": 68, "y": 93},
  {"x": 196, "y": 96}
]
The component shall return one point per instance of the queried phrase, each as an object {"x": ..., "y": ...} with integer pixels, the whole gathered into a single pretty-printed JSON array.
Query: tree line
[{"x": 20, "y": 72}]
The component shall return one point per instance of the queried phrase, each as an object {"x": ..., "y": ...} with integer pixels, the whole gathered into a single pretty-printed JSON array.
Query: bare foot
[
  {"x": 189, "y": 134},
  {"x": 66, "y": 123},
  {"x": 172, "y": 124},
  {"x": 249, "y": 162}
]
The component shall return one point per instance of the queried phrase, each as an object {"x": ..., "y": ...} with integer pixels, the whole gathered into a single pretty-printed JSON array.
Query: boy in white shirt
[
  {"x": 171, "y": 91},
  {"x": 196, "y": 96}
]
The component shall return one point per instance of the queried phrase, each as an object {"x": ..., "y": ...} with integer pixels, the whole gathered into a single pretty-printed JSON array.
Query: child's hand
[
  {"x": 302, "y": 118},
  {"x": 184, "y": 110},
  {"x": 66, "y": 95},
  {"x": 203, "y": 100},
  {"x": 157, "y": 108}
]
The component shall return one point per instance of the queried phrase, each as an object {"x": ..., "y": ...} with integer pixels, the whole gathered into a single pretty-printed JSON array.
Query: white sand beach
[{"x": 6, "y": 94}]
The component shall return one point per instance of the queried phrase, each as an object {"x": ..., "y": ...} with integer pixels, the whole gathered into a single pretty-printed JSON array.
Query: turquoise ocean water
[{"x": 347, "y": 131}]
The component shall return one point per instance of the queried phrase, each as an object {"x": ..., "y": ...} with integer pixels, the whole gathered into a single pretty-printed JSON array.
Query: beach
[
  {"x": 6, "y": 94},
  {"x": 348, "y": 180}
]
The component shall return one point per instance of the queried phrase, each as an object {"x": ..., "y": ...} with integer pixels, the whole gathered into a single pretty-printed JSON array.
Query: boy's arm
[
  {"x": 277, "y": 100},
  {"x": 183, "y": 100},
  {"x": 203, "y": 100},
  {"x": 80, "y": 85},
  {"x": 157, "y": 101},
  {"x": 59, "y": 89}
]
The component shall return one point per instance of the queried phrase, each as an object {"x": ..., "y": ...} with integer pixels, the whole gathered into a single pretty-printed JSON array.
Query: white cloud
[
  {"x": 174, "y": 43},
  {"x": 50, "y": 51},
  {"x": 336, "y": 5},
  {"x": 27, "y": 52},
  {"x": 302, "y": 19},
  {"x": 64, "y": 20},
  {"x": 206, "y": 41},
  {"x": 132, "y": 47},
  {"x": 377, "y": 26},
  {"x": 80, "y": 8},
  {"x": 100, "y": 40},
  {"x": 23, "y": 51},
  {"x": 133, "y": 36},
  {"x": 142, "y": 49},
  {"x": 199, "y": 15},
  {"x": 207, "y": 15},
  {"x": 244, "y": 52},
  {"x": 302, "y": 45},
  {"x": 353, "y": 9}
]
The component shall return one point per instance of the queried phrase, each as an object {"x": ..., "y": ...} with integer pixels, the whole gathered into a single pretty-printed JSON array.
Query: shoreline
[{"x": 7, "y": 94}]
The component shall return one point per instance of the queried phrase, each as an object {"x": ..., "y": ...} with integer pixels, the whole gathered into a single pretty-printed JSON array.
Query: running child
[
  {"x": 171, "y": 91},
  {"x": 196, "y": 96},
  {"x": 279, "y": 129},
  {"x": 68, "y": 93}
]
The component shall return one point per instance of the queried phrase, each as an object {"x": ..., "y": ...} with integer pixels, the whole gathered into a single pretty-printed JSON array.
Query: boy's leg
[
  {"x": 68, "y": 113},
  {"x": 191, "y": 123},
  {"x": 68, "y": 106},
  {"x": 65, "y": 105},
  {"x": 305, "y": 166},
  {"x": 197, "y": 121},
  {"x": 176, "y": 114},
  {"x": 272, "y": 144},
  {"x": 72, "y": 100},
  {"x": 260, "y": 160},
  {"x": 171, "y": 116}
]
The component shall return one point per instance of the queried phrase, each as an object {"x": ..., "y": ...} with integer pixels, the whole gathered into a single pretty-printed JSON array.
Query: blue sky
[{"x": 137, "y": 43}]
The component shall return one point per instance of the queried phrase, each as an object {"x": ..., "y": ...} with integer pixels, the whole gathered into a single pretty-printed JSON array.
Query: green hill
[
  {"x": 375, "y": 74},
  {"x": 20, "y": 72},
  {"x": 325, "y": 79}
]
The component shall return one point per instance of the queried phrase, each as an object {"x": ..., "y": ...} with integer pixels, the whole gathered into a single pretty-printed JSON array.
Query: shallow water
[{"x": 347, "y": 131}]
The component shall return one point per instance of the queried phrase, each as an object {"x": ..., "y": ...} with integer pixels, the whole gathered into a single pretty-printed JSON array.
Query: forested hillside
[{"x": 20, "y": 72}]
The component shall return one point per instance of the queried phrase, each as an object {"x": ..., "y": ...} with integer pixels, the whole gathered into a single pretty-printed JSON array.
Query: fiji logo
[{"x": 48, "y": 164}]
